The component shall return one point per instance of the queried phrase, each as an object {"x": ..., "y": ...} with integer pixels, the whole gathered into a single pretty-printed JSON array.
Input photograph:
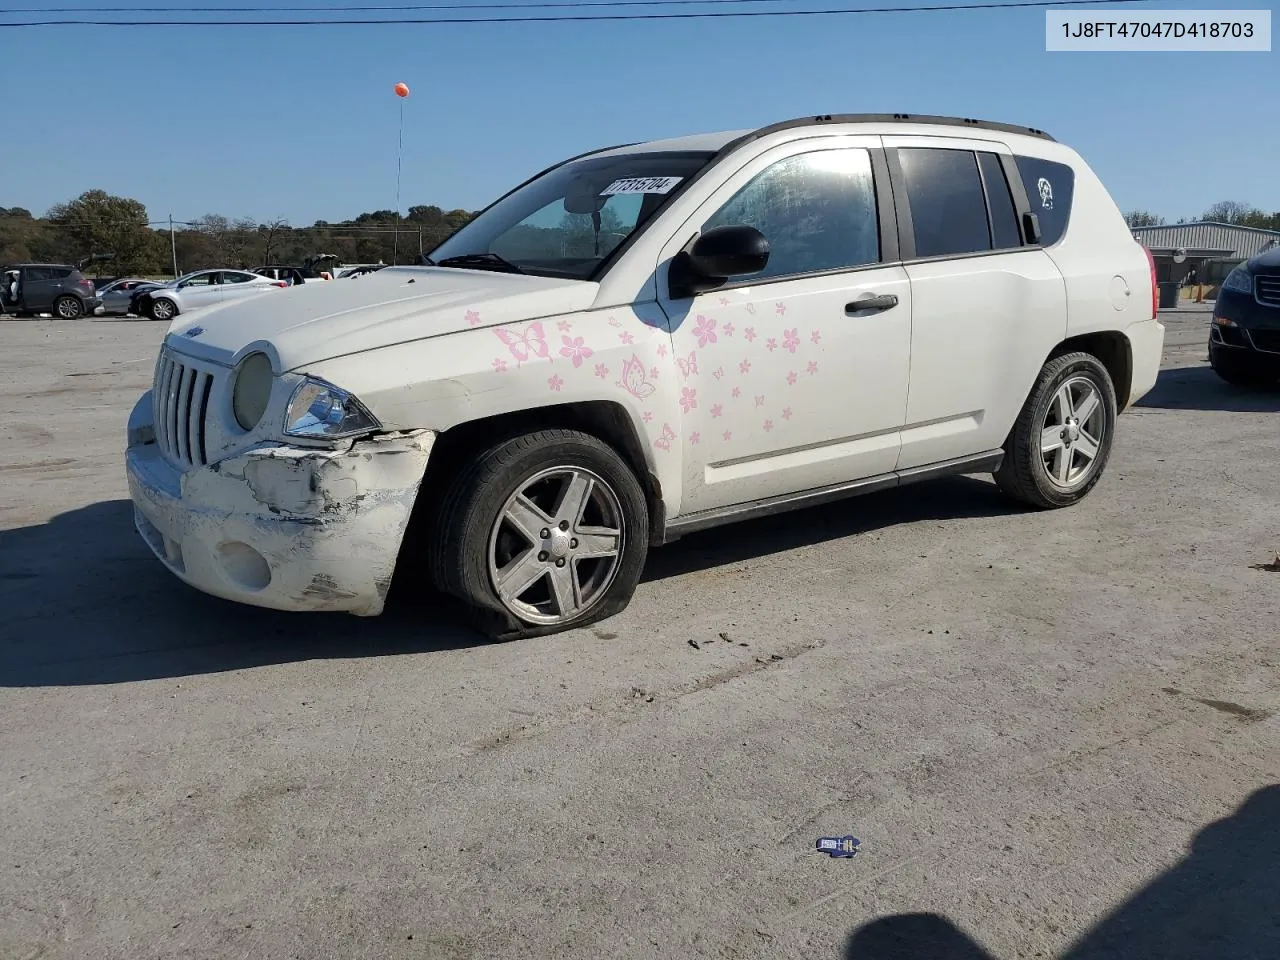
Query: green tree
[
  {"x": 1141, "y": 218},
  {"x": 98, "y": 223}
]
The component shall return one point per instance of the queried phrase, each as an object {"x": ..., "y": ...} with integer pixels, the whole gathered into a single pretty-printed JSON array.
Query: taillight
[
  {"x": 1155, "y": 286},
  {"x": 279, "y": 283}
]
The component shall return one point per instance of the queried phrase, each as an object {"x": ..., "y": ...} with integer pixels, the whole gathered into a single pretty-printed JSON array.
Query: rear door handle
[{"x": 885, "y": 301}]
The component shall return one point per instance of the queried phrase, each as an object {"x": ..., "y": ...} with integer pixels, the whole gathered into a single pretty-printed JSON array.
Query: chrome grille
[
  {"x": 1267, "y": 290},
  {"x": 181, "y": 397}
]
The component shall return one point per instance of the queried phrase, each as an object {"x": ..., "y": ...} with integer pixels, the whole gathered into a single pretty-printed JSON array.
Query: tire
[
  {"x": 474, "y": 541},
  {"x": 162, "y": 308},
  {"x": 68, "y": 308},
  {"x": 1240, "y": 372},
  {"x": 1069, "y": 474}
]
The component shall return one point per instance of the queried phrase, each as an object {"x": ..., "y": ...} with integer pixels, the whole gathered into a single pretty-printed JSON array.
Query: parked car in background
[
  {"x": 1244, "y": 338},
  {"x": 350, "y": 271},
  {"x": 57, "y": 288},
  {"x": 820, "y": 308},
  {"x": 203, "y": 288},
  {"x": 292, "y": 275},
  {"x": 117, "y": 296}
]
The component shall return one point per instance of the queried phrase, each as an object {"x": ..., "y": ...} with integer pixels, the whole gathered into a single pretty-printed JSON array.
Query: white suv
[{"x": 645, "y": 341}]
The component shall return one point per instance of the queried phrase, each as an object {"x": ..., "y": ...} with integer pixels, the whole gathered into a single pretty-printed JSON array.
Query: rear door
[
  {"x": 202, "y": 290},
  {"x": 237, "y": 285},
  {"x": 987, "y": 303}
]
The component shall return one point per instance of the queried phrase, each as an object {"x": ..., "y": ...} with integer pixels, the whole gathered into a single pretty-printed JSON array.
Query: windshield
[{"x": 565, "y": 223}]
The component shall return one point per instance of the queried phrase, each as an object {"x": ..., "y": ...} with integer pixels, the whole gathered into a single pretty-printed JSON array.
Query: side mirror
[{"x": 716, "y": 256}]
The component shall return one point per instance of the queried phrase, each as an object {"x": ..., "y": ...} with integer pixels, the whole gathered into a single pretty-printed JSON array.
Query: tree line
[
  {"x": 114, "y": 236},
  {"x": 1226, "y": 211}
]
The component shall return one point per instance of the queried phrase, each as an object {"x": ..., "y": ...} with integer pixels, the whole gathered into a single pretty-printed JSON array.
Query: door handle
[{"x": 884, "y": 301}]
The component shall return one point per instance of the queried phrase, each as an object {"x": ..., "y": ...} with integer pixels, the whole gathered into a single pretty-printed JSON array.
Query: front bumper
[{"x": 280, "y": 526}]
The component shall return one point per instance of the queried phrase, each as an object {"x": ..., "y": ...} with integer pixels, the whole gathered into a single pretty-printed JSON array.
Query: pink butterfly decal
[
  {"x": 531, "y": 343},
  {"x": 633, "y": 379},
  {"x": 688, "y": 367},
  {"x": 751, "y": 308},
  {"x": 664, "y": 441},
  {"x": 760, "y": 401},
  {"x": 718, "y": 373}
]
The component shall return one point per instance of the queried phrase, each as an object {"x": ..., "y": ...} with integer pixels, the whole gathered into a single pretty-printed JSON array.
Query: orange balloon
[{"x": 402, "y": 89}]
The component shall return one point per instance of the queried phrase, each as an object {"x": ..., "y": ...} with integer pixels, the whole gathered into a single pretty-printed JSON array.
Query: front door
[
  {"x": 38, "y": 289},
  {"x": 202, "y": 290},
  {"x": 787, "y": 382}
]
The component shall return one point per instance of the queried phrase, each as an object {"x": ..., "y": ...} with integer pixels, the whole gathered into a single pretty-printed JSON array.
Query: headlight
[
  {"x": 252, "y": 390},
  {"x": 319, "y": 409},
  {"x": 1240, "y": 280}
]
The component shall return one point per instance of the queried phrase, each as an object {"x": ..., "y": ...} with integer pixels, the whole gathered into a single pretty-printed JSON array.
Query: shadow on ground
[
  {"x": 1199, "y": 388},
  {"x": 1218, "y": 903},
  {"x": 85, "y": 602}
]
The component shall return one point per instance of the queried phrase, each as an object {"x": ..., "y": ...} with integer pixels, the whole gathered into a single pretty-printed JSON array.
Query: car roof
[{"x": 15, "y": 266}]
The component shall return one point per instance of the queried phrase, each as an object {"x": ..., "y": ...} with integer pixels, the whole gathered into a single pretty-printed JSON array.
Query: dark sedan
[{"x": 1244, "y": 339}]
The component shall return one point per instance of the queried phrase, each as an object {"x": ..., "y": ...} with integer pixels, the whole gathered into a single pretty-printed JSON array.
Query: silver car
[
  {"x": 117, "y": 295},
  {"x": 203, "y": 288}
]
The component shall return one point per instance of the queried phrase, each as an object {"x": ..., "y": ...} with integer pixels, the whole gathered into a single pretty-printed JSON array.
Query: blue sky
[{"x": 301, "y": 122}]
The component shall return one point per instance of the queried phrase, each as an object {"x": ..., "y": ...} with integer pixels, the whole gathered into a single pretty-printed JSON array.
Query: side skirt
[{"x": 988, "y": 462}]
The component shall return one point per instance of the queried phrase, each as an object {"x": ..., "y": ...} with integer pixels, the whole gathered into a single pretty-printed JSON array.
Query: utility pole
[{"x": 173, "y": 244}]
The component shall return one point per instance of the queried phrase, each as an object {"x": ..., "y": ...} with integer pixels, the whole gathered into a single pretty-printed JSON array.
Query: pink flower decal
[
  {"x": 615, "y": 322},
  {"x": 750, "y": 334},
  {"x": 472, "y": 317},
  {"x": 760, "y": 401},
  {"x": 575, "y": 350},
  {"x": 662, "y": 349},
  {"x": 786, "y": 413},
  {"x": 626, "y": 337},
  {"x": 744, "y": 366},
  {"x": 500, "y": 365},
  {"x": 694, "y": 437},
  {"x": 563, "y": 326},
  {"x": 792, "y": 377},
  {"x": 771, "y": 344},
  {"x": 779, "y": 308},
  {"x": 815, "y": 337},
  {"x": 728, "y": 434},
  {"x": 717, "y": 410},
  {"x": 555, "y": 382},
  {"x": 688, "y": 399},
  {"x": 653, "y": 372},
  {"x": 768, "y": 425},
  {"x": 705, "y": 330},
  {"x": 648, "y": 417},
  {"x": 737, "y": 392},
  {"x": 728, "y": 329},
  {"x": 791, "y": 339},
  {"x": 664, "y": 441},
  {"x": 602, "y": 371},
  {"x": 813, "y": 366}
]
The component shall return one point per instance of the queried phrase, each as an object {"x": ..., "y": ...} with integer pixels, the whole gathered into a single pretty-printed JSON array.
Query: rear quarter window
[{"x": 1050, "y": 188}]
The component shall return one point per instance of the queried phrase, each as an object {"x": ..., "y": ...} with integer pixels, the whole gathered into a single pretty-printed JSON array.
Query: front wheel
[
  {"x": 542, "y": 533},
  {"x": 68, "y": 308},
  {"x": 1060, "y": 444},
  {"x": 162, "y": 308}
]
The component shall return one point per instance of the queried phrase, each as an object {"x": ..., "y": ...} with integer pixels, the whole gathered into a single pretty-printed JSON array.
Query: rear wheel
[
  {"x": 1241, "y": 370},
  {"x": 1060, "y": 444},
  {"x": 68, "y": 308},
  {"x": 541, "y": 533},
  {"x": 162, "y": 308}
]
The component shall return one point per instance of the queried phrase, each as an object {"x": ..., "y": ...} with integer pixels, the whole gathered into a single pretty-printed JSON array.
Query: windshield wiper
[{"x": 483, "y": 261}]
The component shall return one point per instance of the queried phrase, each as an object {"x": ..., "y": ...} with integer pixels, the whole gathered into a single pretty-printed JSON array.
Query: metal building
[{"x": 1209, "y": 249}]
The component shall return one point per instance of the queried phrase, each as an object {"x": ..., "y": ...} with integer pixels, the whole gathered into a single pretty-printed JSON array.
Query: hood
[
  {"x": 305, "y": 324},
  {"x": 1266, "y": 262}
]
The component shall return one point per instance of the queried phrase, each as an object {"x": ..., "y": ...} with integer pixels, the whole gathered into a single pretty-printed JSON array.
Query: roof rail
[{"x": 902, "y": 118}]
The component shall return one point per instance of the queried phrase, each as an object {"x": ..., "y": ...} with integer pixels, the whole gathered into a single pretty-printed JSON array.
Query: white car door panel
[
  {"x": 986, "y": 309},
  {"x": 785, "y": 386}
]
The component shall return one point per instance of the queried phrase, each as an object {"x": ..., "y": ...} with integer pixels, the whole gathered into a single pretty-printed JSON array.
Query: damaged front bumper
[{"x": 280, "y": 526}]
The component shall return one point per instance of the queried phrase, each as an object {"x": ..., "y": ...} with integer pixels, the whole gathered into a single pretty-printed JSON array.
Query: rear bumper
[
  {"x": 280, "y": 526},
  {"x": 1146, "y": 345}
]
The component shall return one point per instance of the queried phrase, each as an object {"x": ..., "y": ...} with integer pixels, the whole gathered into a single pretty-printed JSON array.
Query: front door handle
[{"x": 885, "y": 301}]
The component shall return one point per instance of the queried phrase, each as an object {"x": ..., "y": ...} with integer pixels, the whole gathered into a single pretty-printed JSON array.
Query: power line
[
  {"x": 387, "y": 8},
  {"x": 563, "y": 18}
]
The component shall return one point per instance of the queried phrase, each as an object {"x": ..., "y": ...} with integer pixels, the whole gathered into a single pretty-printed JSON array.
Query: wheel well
[
  {"x": 602, "y": 419},
  {"x": 1112, "y": 348}
]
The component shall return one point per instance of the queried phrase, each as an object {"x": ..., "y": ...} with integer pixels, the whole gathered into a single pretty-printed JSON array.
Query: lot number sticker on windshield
[{"x": 641, "y": 185}]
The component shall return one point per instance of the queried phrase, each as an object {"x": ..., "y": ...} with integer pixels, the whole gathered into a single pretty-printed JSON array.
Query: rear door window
[
  {"x": 35, "y": 274},
  {"x": 948, "y": 209},
  {"x": 1050, "y": 188}
]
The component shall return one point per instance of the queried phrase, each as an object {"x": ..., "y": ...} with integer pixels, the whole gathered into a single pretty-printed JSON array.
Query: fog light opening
[{"x": 244, "y": 566}]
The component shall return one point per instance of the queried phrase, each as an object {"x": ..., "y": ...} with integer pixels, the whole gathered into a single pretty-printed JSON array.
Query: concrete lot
[{"x": 1056, "y": 734}]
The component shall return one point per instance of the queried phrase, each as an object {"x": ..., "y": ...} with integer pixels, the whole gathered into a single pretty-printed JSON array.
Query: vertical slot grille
[{"x": 181, "y": 398}]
